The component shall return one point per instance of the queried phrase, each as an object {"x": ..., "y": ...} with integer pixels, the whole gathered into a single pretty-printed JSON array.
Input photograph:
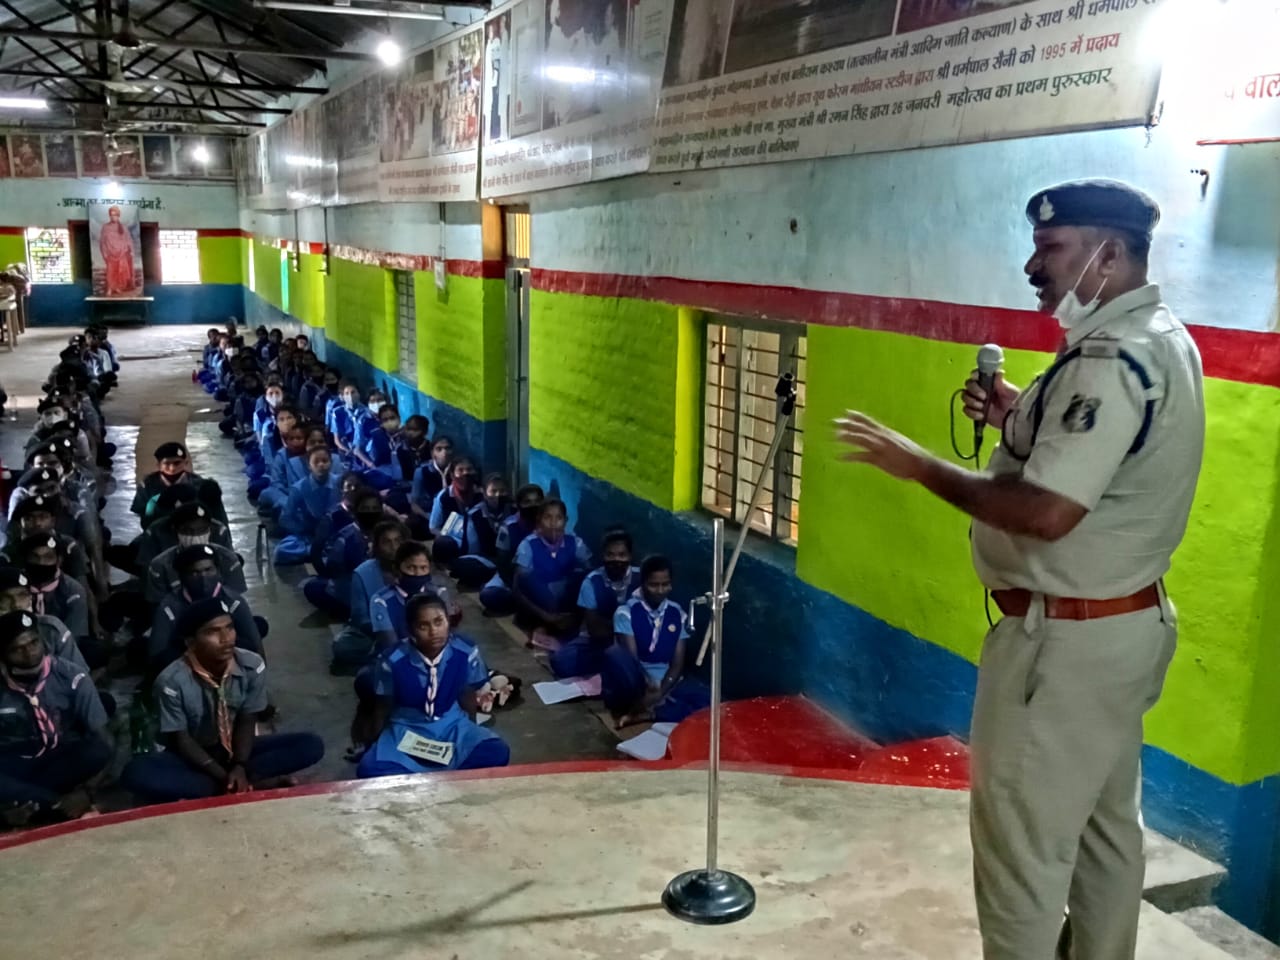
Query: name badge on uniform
[{"x": 432, "y": 751}]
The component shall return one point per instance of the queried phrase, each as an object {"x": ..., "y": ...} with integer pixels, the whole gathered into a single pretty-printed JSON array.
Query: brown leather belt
[{"x": 1016, "y": 603}]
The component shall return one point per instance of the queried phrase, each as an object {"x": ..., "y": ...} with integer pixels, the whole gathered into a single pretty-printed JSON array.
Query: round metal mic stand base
[{"x": 716, "y": 896}]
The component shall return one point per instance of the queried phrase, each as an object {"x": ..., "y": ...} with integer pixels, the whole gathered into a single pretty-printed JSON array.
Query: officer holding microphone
[{"x": 1074, "y": 523}]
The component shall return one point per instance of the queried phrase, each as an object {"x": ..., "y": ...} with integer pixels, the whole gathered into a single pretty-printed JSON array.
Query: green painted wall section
[
  {"x": 900, "y": 554},
  {"x": 222, "y": 259},
  {"x": 602, "y": 389},
  {"x": 357, "y": 315},
  {"x": 266, "y": 266},
  {"x": 307, "y": 290},
  {"x": 13, "y": 248},
  {"x": 462, "y": 339}
]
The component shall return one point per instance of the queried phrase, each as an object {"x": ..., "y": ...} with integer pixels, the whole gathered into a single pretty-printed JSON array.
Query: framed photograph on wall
[
  {"x": 93, "y": 156},
  {"x": 27, "y": 155},
  {"x": 60, "y": 154},
  {"x": 158, "y": 156}
]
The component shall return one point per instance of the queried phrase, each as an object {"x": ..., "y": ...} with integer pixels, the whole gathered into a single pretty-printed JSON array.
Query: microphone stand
[{"x": 712, "y": 895}]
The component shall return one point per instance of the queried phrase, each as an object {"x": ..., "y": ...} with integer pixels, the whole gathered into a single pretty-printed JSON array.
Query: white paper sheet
[
  {"x": 650, "y": 745},
  {"x": 561, "y": 691}
]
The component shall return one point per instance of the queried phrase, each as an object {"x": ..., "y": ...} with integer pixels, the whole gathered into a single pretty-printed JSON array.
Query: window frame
[
  {"x": 785, "y": 482},
  {"x": 404, "y": 286},
  {"x": 65, "y": 229},
  {"x": 165, "y": 279}
]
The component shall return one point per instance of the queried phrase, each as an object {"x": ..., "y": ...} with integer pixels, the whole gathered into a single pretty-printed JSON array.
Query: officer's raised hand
[{"x": 1003, "y": 397}]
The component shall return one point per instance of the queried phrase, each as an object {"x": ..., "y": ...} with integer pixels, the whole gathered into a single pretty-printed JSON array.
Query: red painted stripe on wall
[
  {"x": 485, "y": 269},
  {"x": 1242, "y": 355},
  {"x": 223, "y": 232},
  {"x": 12, "y": 232}
]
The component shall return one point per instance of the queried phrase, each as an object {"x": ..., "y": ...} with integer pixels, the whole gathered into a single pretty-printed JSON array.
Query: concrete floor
[
  {"x": 567, "y": 866},
  {"x": 156, "y": 402}
]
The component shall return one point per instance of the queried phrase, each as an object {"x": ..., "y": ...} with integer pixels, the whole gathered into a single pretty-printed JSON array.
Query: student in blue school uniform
[
  {"x": 449, "y": 510},
  {"x": 261, "y": 339},
  {"x": 210, "y": 699},
  {"x": 426, "y": 685},
  {"x": 549, "y": 567},
  {"x": 271, "y": 443},
  {"x": 354, "y": 643},
  {"x": 605, "y": 589},
  {"x": 286, "y": 468},
  {"x": 374, "y": 451},
  {"x": 496, "y": 596},
  {"x": 210, "y": 348},
  {"x": 310, "y": 389},
  {"x": 349, "y": 420},
  {"x": 305, "y": 517},
  {"x": 642, "y": 675},
  {"x": 429, "y": 479},
  {"x": 412, "y": 446},
  {"x": 412, "y": 577},
  {"x": 238, "y": 422},
  {"x": 52, "y": 726},
  {"x": 347, "y": 548},
  {"x": 477, "y": 562}
]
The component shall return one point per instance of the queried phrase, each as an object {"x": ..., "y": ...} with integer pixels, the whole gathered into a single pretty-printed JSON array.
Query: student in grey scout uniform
[
  {"x": 1074, "y": 523},
  {"x": 51, "y": 728},
  {"x": 209, "y": 700}
]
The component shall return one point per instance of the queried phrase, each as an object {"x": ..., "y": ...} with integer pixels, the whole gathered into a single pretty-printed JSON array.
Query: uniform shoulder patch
[{"x": 1081, "y": 414}]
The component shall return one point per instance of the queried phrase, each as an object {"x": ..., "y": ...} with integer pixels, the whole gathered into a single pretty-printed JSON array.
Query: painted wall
[{"x": 208, "y": 207}]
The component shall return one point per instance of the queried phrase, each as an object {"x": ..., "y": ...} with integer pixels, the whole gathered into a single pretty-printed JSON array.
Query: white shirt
[{"x": 1091, "y": 413}]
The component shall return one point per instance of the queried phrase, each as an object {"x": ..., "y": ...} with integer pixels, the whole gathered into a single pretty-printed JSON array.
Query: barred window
[
  {"x": 406, "y": 325},
  {"x": 744, "y": 361},
  {"x": 49, "y": 254},
  {"x": 179, "y": 256}
]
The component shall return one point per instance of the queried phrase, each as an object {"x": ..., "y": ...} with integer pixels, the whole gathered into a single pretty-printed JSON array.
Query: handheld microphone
[{"x": 990, "y": 357}]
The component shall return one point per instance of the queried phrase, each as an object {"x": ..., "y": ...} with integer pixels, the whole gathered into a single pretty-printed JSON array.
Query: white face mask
[
  {"x": 1070, "y": 312},
  {"x": 375, "y": 406},
  {"x": 273, "y": 399},
  {"x": 52, "y": 417},
  {"x": 192, "y": 540}
]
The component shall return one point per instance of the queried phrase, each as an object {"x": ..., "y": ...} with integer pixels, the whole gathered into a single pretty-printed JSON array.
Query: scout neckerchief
[
  {"x": 31, "y": 691},
  {"x": 222, "y": 710},
  {"x": 433, "y": 679}
]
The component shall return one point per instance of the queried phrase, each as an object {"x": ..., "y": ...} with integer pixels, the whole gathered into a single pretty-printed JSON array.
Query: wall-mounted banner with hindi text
[
  {"x": 776, "y": 80},
  {"x": 570, "y": 89}
]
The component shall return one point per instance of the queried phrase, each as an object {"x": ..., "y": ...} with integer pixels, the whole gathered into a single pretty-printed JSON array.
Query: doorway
[{"x": 516, "y": 224}]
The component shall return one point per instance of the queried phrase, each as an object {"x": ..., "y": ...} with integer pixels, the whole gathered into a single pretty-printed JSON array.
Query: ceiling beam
[
  {"x": 168, "y": 43},
  {"x": 193, "y": 84},
  {"x": 161, "y": 105}
]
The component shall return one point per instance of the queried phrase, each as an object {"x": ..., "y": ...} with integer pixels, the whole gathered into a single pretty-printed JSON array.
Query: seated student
[
  {"x": 271, "y": 445},
  {"x": 246, "y": 393},
  {"x": 426, "y": 685},
  {"x": 328, "y": 397},
  {"x": 194, "y": 528},
  {"x": 36, "y": 517},
  {"x": 413, "y": 448},
  {"x": 642, "y": 675},
  {"x": 209, "y": 700},
  {"x": 377, "y": 450},
  {"x": 496, "y": 596},
  {"x": 286, "y": 468},
  {"x": 98, "y": 360},
  {"x": 207, "y": 354},
  {"x": 173, "y": 466},
  {"x": 412, "y": 577},
  {"x": 199, "y": 579},
  {"x": 605, "y": 589},
  {"x": 430, "y": 477},
  {"x": 347, "y": 548},
  {"x": 549, "y": 567},
  {"x": 15, "y": 594},
  {"x": 261, "y": 340},
  {"x": 449, "y": 510},
  {"x": 52, "y": 592},
  {"x": 270, "y": 350},
  {"x": 354, "y": 643},
  {"x": 51, "y": 729},
  {"x": 305, "y": 517},
  {"x": 264, "y": 431},
  {"x": 478, "y": 550},
  {"x": 309, "y": 389},
  {"x": 348, "y": 419}
]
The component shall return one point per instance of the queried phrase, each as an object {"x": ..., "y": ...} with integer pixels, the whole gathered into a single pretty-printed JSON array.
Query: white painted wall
[{"x": 184, "y": 205}]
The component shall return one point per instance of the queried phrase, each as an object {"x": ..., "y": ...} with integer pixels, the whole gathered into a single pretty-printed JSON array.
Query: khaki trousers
[{"x": 1056, "y": 748}]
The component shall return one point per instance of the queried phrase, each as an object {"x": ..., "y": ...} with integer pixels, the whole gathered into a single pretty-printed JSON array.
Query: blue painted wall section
[{"x": 62, "y": 304}]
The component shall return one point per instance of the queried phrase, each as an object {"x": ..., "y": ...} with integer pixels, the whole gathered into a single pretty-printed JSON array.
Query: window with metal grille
[
  {"x": 406, "y": 325},
  {"x": 49, "y": 254},
  {"x": 179, "y": 257},
  {"x": 744, "y": 361}
]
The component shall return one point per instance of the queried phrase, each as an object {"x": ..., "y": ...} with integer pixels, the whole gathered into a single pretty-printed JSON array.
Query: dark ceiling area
[{"x": 208, "y": 66}]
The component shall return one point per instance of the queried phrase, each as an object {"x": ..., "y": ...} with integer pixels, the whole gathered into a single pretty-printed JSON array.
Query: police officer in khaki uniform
[{"x": 1074, "y": 523}]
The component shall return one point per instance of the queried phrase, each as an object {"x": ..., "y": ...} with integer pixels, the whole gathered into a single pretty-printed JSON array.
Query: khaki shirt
[{"x": 1073, "y": 431}]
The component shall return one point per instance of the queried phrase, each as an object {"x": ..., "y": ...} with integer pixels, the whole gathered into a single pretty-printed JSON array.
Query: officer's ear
[{"x": 1112, "y": 256}]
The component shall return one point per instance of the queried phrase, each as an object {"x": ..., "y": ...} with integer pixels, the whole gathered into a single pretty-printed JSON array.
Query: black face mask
[
  {"x": 615, "y": 570},
  {"x": 203, "y": 587},
  {"x": 529, "y": 515},
  {"x": 368, "y": 520},
  {"x": 41, "y": 574}
]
